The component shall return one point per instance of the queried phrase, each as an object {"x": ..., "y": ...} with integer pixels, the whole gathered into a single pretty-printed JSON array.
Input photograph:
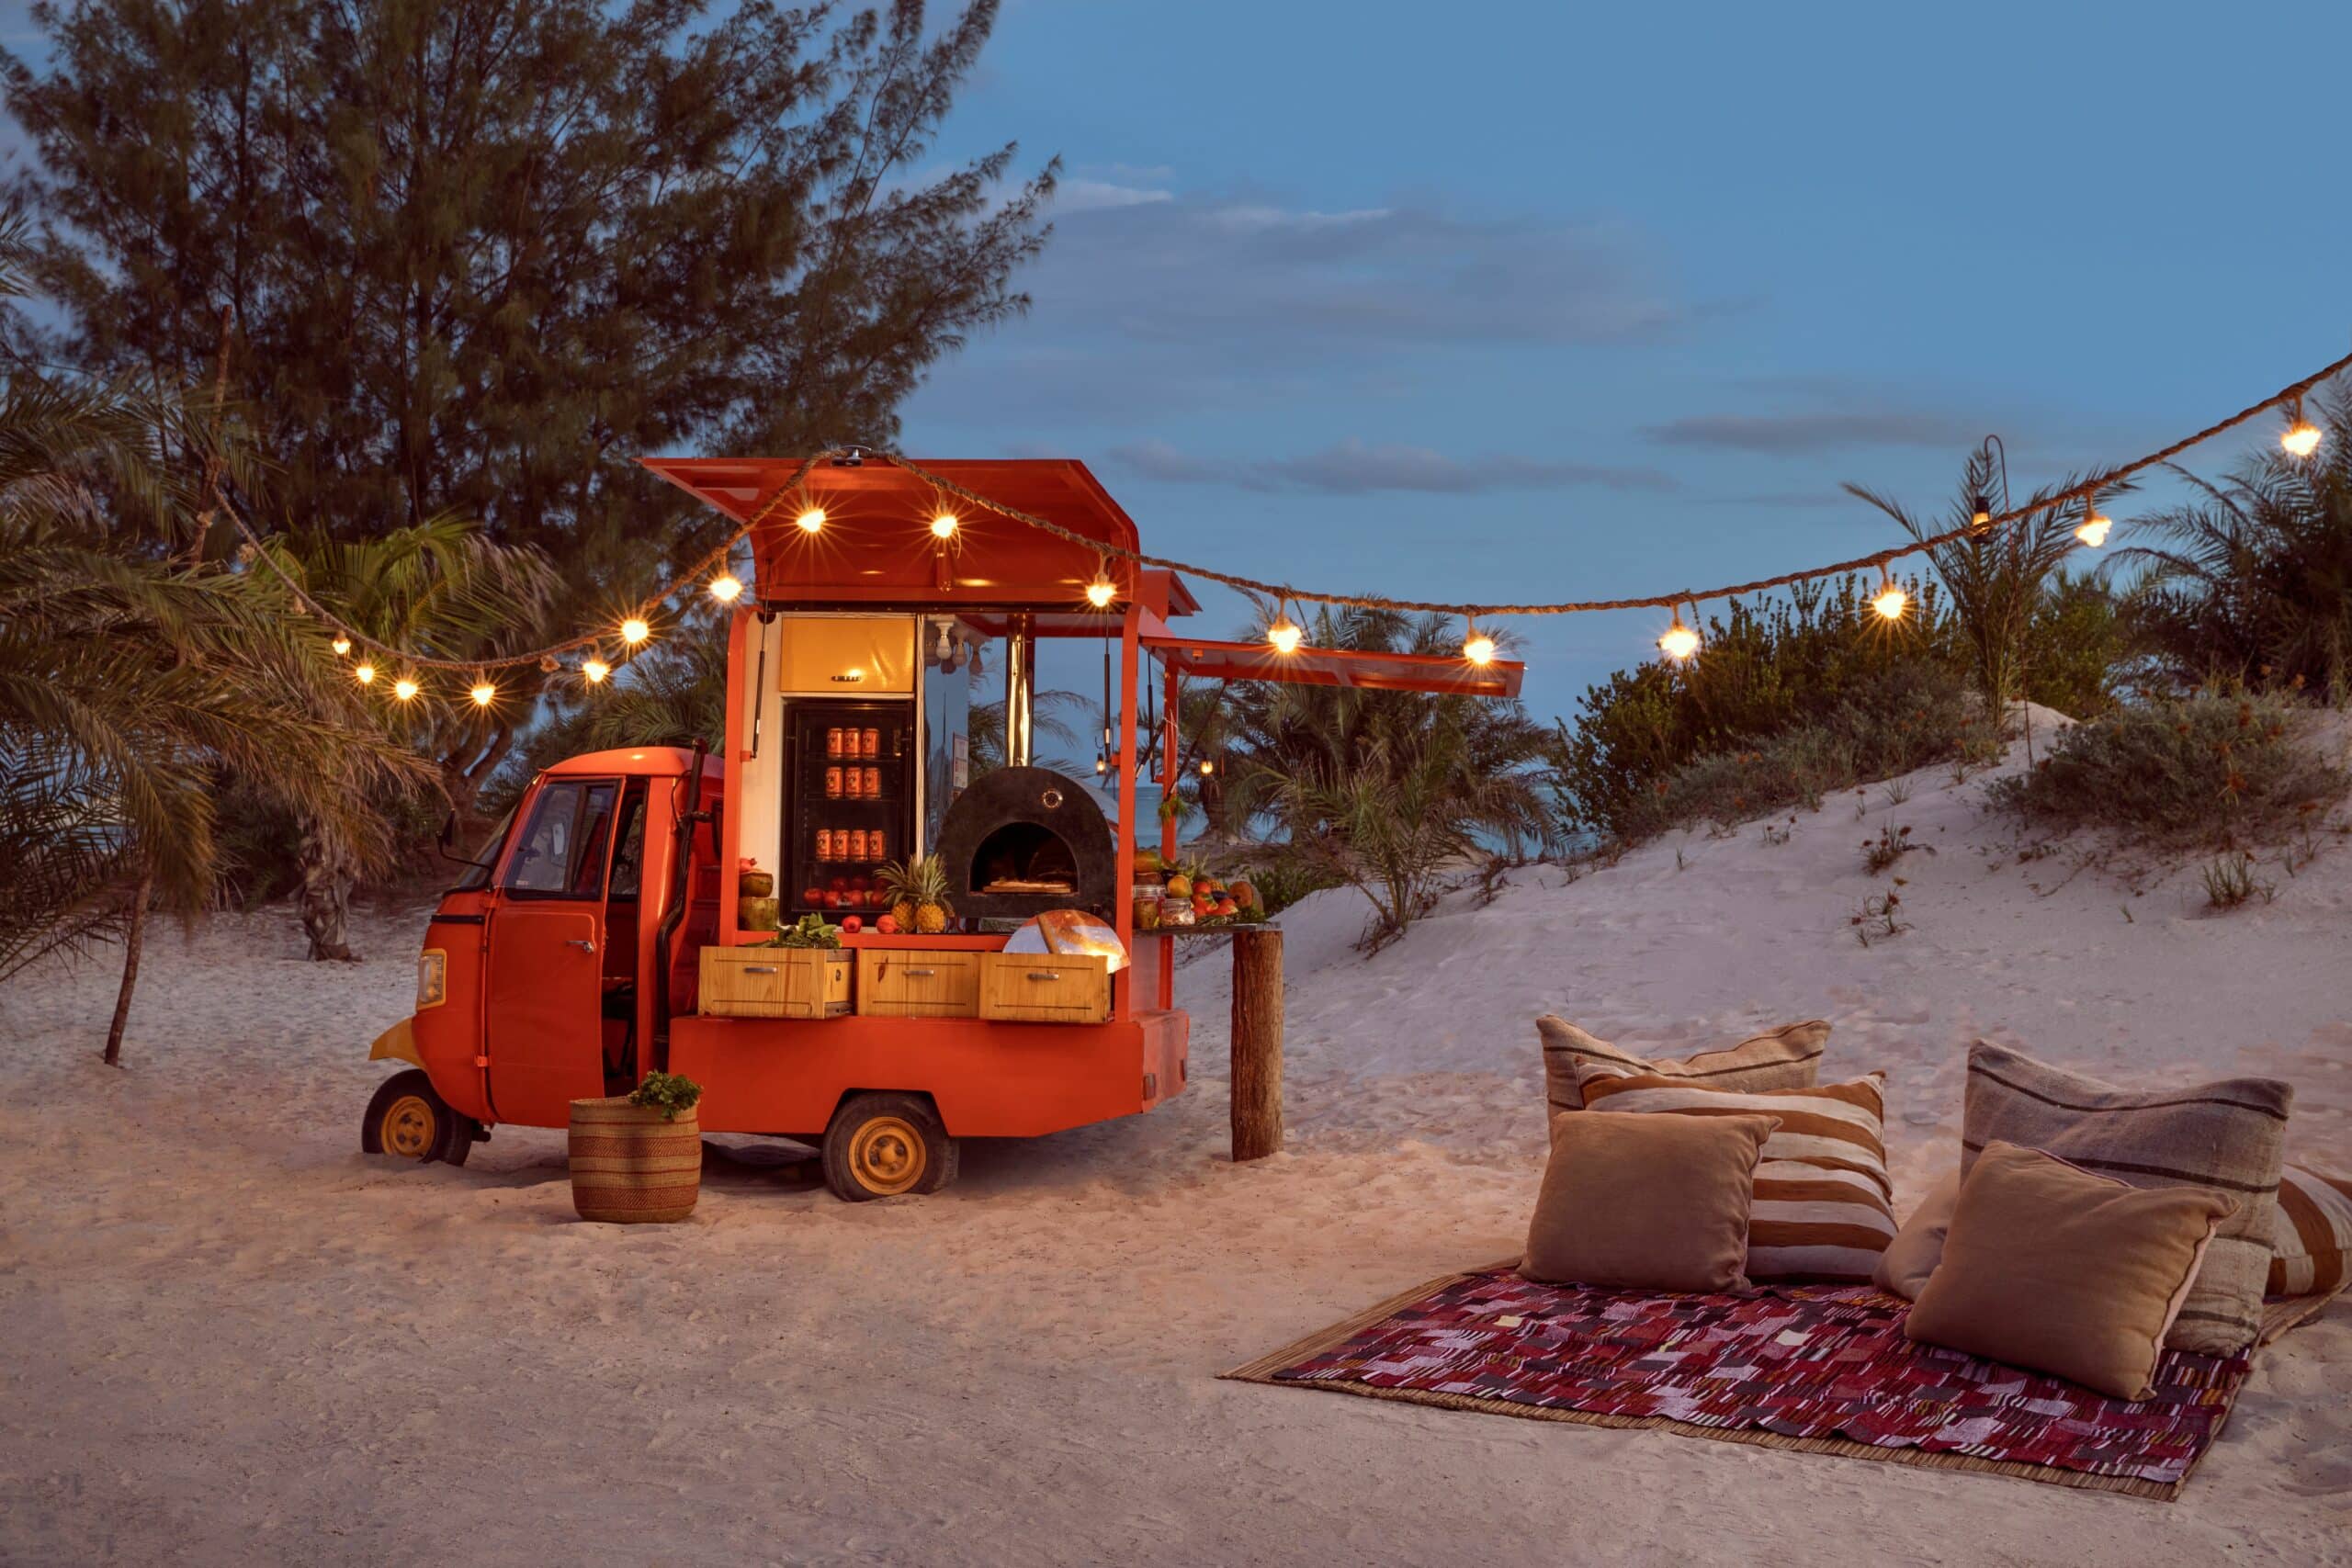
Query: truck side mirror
[{"x": 449, "y": 830}]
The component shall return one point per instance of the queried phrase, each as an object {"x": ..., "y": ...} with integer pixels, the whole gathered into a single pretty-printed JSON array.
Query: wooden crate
[
  {"x": 774, "y": 982},
  {"x": 1028, "y": 988},
  {"x": 908, "y": 982}
]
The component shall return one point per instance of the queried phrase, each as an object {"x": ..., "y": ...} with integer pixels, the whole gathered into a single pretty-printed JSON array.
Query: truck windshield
[{"x": 485, "y": 858}]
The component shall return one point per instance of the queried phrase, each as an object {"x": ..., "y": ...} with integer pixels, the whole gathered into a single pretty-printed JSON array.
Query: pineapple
[{"x": 918, "y": 892}]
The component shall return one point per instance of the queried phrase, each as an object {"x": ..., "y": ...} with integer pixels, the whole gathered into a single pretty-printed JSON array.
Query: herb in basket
[{"x": 667, "y": 1091}]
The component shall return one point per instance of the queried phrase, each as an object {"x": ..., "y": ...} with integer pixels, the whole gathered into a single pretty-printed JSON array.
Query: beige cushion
[
  {"x": 2310, "y": 1243},
  {"x": 1822, "y": 1209},
  {"x": 1784, "y": 1059},
  {"x": 2227, "y": 1136},
  {"x": 1646, "y": 1202},
  {"x": 2063, "y": 1270},
  {"x": 1911, "y": 1256}
]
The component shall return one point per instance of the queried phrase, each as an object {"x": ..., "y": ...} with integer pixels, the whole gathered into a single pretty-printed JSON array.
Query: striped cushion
[
  {"x": 2225, "y": 1136},
  {"x": 1822, "y": 1195},
  {"x": 1785, "y": 1058},
  {"x": 2311, "y": 1245}
]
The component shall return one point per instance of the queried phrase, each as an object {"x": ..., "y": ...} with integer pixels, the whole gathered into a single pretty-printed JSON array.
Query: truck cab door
[{"x": 544, "y": 991}]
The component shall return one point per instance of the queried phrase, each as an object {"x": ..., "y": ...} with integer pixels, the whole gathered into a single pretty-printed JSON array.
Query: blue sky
[{"x": 1538, "y": 301}]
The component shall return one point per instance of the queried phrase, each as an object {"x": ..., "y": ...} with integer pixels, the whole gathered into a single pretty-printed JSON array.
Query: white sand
[{"x": 230, "y": 1337}]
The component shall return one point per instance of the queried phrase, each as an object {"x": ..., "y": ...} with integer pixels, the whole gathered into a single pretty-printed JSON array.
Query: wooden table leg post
[{"x": 1257, "y": 1042}]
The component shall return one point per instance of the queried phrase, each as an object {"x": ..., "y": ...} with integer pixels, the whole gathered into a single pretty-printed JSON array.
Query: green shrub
[
  {"x": 1285, "y": 879},
  {"x": 1769, "y": 670},
  {"x": 669, "y": 1092},
  {"x": 1906, "y": 717},
  {"x": 2211, "y": 769}
]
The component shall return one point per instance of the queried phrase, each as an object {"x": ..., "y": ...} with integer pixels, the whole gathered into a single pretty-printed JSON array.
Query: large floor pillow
[
  {"x": 2227, "y": 1135},
  {"x": 1783, "y": 1058},
  {"x": 1823, "y": 1207},
  {"x": 2311, "y": 1245}
]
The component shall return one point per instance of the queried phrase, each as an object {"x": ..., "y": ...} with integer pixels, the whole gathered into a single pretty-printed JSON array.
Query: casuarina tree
[{"x": 468, "y": 258}]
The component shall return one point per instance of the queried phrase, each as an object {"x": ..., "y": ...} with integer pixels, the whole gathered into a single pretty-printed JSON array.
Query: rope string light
[{"x": 811, "y": 519}]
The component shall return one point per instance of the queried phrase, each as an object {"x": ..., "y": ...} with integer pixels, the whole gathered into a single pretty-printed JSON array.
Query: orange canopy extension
[{"x": 1338, "y": 667}]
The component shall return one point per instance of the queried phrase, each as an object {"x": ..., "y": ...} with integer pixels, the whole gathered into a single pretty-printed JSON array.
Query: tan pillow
[
  {"x": 1646, "y": 1202},
  {"x": 1823, "y": 1209},
  {"x": 2227, "y": 1136},
  {"x": 1916, "y": 1248},
  {"x": 2057, "y": 1268},
  {"x": 1783, "y": 1058}
]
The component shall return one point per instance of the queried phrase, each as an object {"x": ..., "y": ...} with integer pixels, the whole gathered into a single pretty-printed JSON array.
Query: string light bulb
[
  {"x": 1891, "y": 600},
  {"x": 634, "y": 631},
  {"x": 405, "y": 689},
  {"x": 726, "y": 588},
  {"x": 2300, "y": 438},
  {"x": 942, "y": 527},
  {"x": 2092, "y": 531},
  {"x": 595, "y": 671},
  {"x": 364, "y": 674},
  {"x": 341, "y": 645},
  {"x": 1478, "y": 648},
  {"x": 812, "y": 521},
  {"x": 1679, "y": 641},
  {"x": 1208, "y": 767},
  {"x": 1101, "y": 591},
  {"x": 484, "y": 694},
  {"x": 1284, "y": 634}
]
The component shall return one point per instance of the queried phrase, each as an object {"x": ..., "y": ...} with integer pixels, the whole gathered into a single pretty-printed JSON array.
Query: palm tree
[
  {"x": 1389, "y": 790},
  {"x": 436, "y": 587},
  {"x": 2252, "y": 580},
  {"x": 132, "y": 691},
  {"x": 1996, "y": 581}
]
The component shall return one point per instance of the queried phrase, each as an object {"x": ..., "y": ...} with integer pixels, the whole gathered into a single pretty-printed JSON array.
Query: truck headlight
[{"x": 432, "y": 978}]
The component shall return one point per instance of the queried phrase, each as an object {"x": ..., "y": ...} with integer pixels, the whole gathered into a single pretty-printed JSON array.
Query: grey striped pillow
[
  {"x": 2226, "y": 1136},
  {"x": 1786, "y": 1057},
  {"x": 1822, "y": 1208}
]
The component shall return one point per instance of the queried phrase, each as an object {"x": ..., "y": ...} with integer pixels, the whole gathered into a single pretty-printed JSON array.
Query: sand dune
[{"x": 232, "y": 1337}]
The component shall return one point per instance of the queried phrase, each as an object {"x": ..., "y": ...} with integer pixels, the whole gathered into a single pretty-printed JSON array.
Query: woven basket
[{"x": 631, "y": 1166}]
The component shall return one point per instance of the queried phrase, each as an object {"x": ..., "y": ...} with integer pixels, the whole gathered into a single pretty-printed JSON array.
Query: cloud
[
  {"x": 1815, "y": 432},
  {"x": 1357, "y": 467},
  {"x": 1150, "y": 299}
]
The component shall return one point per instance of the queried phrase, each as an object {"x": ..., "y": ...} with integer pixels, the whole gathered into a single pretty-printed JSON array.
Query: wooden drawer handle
[
  {"x": 921, "y": 973},
  {"x": 759, "y": 968},
  {"x": 1042, "y": 974}
]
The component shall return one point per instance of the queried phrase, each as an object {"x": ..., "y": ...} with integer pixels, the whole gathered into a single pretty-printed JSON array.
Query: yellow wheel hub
[
  {"x": 886, "y": 1154},
  {"x": 408, "y": 1127}
]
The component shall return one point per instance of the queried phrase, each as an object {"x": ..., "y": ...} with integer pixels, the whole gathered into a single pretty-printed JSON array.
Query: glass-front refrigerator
[{"x": 850, "y": 804}]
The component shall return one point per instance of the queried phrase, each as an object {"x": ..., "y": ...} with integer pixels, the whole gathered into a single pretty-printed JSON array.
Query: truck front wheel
[
  {"x": 409, "y": 1120},
  {"x": 882, "y": 1145}
]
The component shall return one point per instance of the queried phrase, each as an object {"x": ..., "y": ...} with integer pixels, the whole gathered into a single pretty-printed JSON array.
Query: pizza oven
[{"x": 1021, "y": 840}]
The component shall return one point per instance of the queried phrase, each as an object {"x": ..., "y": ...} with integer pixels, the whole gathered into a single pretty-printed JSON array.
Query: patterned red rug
[{"x": 1822, "y": 1369}]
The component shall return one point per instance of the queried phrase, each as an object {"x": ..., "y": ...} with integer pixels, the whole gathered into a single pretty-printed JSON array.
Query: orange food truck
[{"x": 602, "y": 933}]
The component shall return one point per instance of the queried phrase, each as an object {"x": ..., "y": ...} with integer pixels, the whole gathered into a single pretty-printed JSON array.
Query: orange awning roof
[{"x": 1447, "y": 675}]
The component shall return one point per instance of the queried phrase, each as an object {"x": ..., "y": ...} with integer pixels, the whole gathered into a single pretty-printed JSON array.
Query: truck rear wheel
[
  {"x": 883, "y": 1144},
  {"x": 409, "y": 1120}
]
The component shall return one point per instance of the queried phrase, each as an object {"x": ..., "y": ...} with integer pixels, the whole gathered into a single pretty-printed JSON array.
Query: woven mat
[{"x": 1816, "y": 1369}]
